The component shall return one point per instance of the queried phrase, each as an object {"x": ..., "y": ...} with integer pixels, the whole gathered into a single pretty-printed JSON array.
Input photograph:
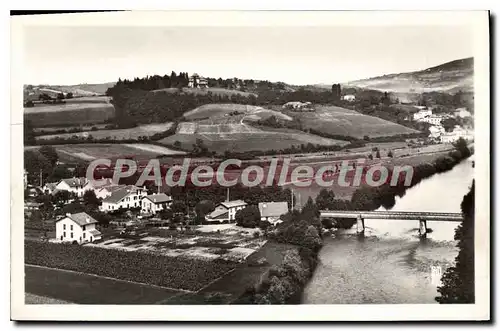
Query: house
[
  {"x": 49, "y": 188},
  {"x": 79, "y": 227},
  {"x": 436, "y": 131},
  {"x": 433, "y": 119},
  {"x": 105, "y": 191},
  {"x": 421, "y": 114},
  {"x": 462, "y": 113},
  {"x": 272, "y": 211},
  {"x": 457, "y": 133},
  {"x": 77, "y": 185},
  {"x": 225, "y": 211},
  {"x": 197, "y": 81},
  {"x": 124, "y": 198},
  {"x": 151, "y": 204},
  {"x": 297, "y": 105},
  {"x": 349, "y": 97}
]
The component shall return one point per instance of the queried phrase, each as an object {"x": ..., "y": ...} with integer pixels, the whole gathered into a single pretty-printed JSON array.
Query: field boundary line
[
  {"x": 215, "y": 280},
  {"x": 110, "y": 278}
]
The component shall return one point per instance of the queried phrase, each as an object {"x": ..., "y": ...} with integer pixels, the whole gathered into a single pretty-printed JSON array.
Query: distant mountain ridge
[{"x": 449, "y": 77}]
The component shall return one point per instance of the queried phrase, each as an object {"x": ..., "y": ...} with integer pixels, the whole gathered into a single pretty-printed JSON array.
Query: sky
[{"x": 295, "y": 55}]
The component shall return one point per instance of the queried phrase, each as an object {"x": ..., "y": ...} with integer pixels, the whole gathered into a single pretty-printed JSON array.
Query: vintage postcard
[{"x": 269, "y": 166}]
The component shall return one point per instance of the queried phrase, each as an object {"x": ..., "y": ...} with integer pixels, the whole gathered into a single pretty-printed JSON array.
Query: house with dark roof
[
  {"x": 225, "y": 211},
  {"x": 272, "y": 211},
  {"x": 126, "y": 197},
  {"x": 79, "y": 227},
  {"x": 151, "y": 204}
]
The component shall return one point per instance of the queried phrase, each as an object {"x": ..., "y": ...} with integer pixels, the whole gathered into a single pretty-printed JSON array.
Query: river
[{"x": 391, "y": 264}]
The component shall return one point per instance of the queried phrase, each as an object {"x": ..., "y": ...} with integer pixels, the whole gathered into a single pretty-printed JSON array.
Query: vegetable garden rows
[{"x": 173, "y": 272}]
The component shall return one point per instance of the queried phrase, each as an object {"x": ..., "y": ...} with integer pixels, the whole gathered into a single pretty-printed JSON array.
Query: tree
[
  {"x": 28, "y": 133},
  {"x": 461, "y": 146},
  {"x": 166, "y": 214},
  {"x": 90, "y": 200},
  {"x": 370, "y": 156},
  {"x": 60, "y": 96},
  {"x": 366, "y": 138},
  {"x": 449, "y": 124},
  {"x": 377, "y": 155},
  {"x": 458, "y": 281},
  {"x": 325, "y": 199},
  {"x": 389, "y": 154},
  {"x": 178, "y": 207},
  {"x": 69, "y": 95},
  {"x": 50, "y": 154},
  {"x": 312, "y": 239},
  {"x": 248, "y": 217}
]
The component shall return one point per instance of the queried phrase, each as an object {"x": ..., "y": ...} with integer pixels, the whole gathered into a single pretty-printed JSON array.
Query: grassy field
[
  {"x": 118, "y": 134},
  {"x": 85, "y": 89},
  {"x": 346, "y": 122},
  {"x": 220, "y": 113},
  {"x": 213, "y": 90},
  {"x": 88, "y": 152},
  {"x": 97, "y": 110},
  {"x": 58, "y": 286}
]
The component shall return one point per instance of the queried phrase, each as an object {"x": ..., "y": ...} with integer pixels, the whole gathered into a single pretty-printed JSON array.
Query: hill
[
  {"x": 80, "y": 90},
  {"x": 332, "y": 120},
  {"x": 205, "y": 91},
  {"x": 449, "y": 77}
]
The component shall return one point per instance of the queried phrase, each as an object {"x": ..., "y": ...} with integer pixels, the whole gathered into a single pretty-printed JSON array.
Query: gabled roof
[
  {"x": 217, "y": 214},
  {"x": 51, "y": 186},
  {"x": 158, "y": 198},
  {"x": 273, "y": 209},
  {"x": 80, "y": 218},
  {"x": 234, "y": 203},
  {"x": 73, "y": 182},
  {"x": 118, "y": 195}
]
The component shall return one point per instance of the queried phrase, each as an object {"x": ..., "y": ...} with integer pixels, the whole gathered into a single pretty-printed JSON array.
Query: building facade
[
  {"x": 154, "y": 203},
  {"x": 124, "y": 198},
  {"x": 79, "y": 227},
  {"x": 272, "y": 211},
  {"x": 225, "y": 211}
]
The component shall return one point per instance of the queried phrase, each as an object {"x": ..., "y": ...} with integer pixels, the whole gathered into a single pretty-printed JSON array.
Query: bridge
[{"x": 422, "y": 217}]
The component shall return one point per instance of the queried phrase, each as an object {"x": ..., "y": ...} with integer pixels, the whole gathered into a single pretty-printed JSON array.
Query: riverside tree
[{"x": 458, "y": 281}]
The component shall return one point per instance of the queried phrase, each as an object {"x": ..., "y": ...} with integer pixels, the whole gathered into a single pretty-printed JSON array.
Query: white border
[{"x": 478, "y": 23}]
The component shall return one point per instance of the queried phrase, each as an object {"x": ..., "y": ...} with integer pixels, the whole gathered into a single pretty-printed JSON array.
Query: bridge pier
[
  {"x": 422, "y": 228},
  {"x": 360, "y": 225}
]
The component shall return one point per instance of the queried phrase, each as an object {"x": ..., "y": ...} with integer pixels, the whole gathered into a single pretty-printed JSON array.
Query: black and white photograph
[{"x": 294, "y": 160}]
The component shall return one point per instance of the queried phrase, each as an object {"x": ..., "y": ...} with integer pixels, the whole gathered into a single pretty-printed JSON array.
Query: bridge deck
[{"x": 394, "y": 215}]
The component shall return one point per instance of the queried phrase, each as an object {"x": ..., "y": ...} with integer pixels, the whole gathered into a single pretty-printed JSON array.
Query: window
[
  {"x": 83, "y": 228},
  {"x": 71, "y": 234},
  {"x": 84, "y": 235},
  {"x": 64, "y": 234},
  {"x": 64, "y": 226},
  {"x": 71, "y": 227}
]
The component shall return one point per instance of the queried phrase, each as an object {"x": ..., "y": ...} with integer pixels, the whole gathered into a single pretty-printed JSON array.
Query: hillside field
[
  {"x": 242, "y": 137},
  {"x": 222, "y": 113},
  {"x": 95, "y": 110},
  {"x": 89, "y": 152},
  {"x": 346, "y": 122},
  {"x": 117, "y": 134}
]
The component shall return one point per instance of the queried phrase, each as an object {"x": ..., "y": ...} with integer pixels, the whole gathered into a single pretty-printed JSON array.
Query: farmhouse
[
  {"x": 349, "y": 97},
  {"x": 197, "y": 81},
  {"x": 124, "y": 198},
  {"x": 272, "y": 211},
  {"x": 79, "y": 227},
  {"x": 297, "y": 105},
  {"x": 225, "y": 211},
  {"x": 154, "y": 203},
  {"x": 433, "y": 119},
  {"x": 436, "y": 131}
]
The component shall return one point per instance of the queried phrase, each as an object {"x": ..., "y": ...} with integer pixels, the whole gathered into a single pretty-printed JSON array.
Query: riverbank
[{"x": 391, "y": 264}]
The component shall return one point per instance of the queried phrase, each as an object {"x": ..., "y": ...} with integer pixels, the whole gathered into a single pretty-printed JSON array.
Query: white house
[
  {"x": 457, "y": 133},
  {"x": 349, "y": 97},
  {"x": 421, "y": 114},
  {"x": 433, "y": 119},
  {"x": 105, "y": 191},
  {"x": 77, "y": 185},
  {"x": 151, "y": 204},
  {"x": 225, "y": 211},
  {"x": 124, "y": 198},
  {"x": 79, "y": 227},
  {"x": 272, "y": 211},
  {"x": 436, "y": 131},
  {"x": 462, "y": 113},
  {"x": 197, "y": 81},
  {"x": 297, "y": 105}
]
